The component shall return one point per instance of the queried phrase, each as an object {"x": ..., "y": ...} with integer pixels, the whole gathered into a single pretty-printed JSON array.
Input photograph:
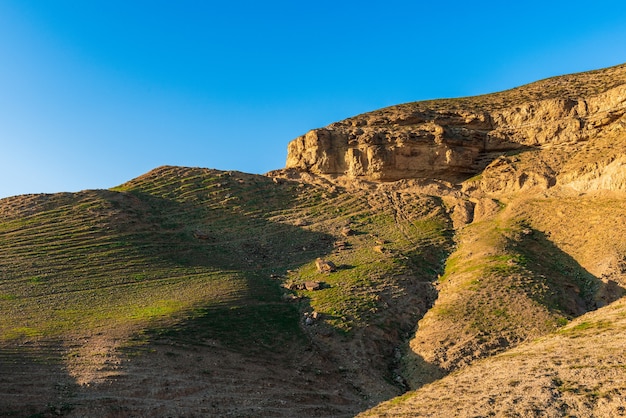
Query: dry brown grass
[{"x": 577, "y": 371}]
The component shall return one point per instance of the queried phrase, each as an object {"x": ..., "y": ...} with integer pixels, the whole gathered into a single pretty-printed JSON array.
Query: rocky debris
[
  {"x": 325, "y": 266},
  {"x": 312, "y": 285},
  {"x": 293, "y": 286},
  {"x": 485, "y": 208},
  {"x": 290, "y": 297},
  {"x": 300, "y": 222},
  {"x": 341, "y": 245},
  {"x": 462, "y": 213},
  {"x": 311, "y": 318},
  {"x": 507, "y": 175}
]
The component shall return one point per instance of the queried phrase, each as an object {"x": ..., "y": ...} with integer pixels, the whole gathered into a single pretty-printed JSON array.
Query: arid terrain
[{"x": 457, "y": 257}]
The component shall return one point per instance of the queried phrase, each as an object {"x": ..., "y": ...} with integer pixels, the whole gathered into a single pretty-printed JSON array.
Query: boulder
[
  {"x": 311, "y": 285},
  {"x": 325, "y": 266}
]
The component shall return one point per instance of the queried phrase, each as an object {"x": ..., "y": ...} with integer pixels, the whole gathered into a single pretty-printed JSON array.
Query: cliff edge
[{"x": 454, "y": 139}]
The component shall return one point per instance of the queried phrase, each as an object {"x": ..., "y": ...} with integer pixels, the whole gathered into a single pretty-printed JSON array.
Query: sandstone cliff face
[{"x": 455, "y": 139}]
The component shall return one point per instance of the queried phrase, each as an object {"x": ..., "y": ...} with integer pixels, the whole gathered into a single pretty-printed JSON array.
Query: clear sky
[{"x": 96, "y": 92}]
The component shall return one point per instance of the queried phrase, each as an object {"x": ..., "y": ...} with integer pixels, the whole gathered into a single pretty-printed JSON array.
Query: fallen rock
[
  {"x": 325, "y": 266},
  {"x": 311, "y": 317},
  {"x": 311, "y": 285},
  {"x": 462, "y": 213}
]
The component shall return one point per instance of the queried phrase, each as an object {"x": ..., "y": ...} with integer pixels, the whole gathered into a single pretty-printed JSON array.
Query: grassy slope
[
  {"x": 106, "y": 259},
  {"x": 186, "y": 256},
  {"x": 543, "y": 260},
  {"x": 505, "y": 283}
]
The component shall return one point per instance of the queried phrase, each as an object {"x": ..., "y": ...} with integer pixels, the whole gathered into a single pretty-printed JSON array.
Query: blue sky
[{"x": 94, "y": 93}]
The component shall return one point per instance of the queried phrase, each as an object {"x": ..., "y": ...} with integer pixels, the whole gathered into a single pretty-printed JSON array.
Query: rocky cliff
[{"x": 455, "y": 139}]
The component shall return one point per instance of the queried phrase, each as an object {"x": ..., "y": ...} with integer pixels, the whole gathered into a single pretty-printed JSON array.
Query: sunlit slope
[
  {"x": 576, "y": 371},
  {"x": 198, "y": 257},
  {"x": 104, "y": 259},
  {"x": 518, "y": 275}
]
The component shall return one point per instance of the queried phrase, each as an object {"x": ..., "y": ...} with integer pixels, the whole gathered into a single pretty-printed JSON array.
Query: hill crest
[{"x": 455, "y": 139}]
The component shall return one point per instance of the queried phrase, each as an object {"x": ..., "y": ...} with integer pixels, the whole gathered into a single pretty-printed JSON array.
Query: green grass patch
[
  {"x": 22, "y": 332},
  {"x": 586, "y": 326},
  {"x": 37, "y": 279},
  {"x": 158, "y": 309}
]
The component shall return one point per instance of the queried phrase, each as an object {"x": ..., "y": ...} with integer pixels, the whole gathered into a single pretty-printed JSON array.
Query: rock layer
[{"x": 455, "y": 139}]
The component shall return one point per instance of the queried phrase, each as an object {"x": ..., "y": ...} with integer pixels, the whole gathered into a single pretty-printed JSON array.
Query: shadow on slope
[
  {"x": 161, "y": 298},
  {"x": 505, "y": 284},
  {"x": 191, "y": 271},
  {"x": 576, "y": 371}
]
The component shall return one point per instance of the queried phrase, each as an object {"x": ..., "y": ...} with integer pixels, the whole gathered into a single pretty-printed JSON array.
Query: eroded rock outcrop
[{"x": 455, "y": 139}]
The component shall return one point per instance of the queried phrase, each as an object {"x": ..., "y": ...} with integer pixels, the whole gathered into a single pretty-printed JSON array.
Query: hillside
[
  {"x": 577, "y": 371},
  {"x": 469, "y": 251},
  {"x": 171, "y": 287}
]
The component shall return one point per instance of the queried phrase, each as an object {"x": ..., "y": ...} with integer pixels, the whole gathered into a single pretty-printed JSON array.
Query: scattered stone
[
  {"x": 311, "y": 317},
  {"x": 462, "y": 213},
  {"x": 311, "y": 285},
  {"x": 289, "y": 297},
  {"x": 289, "y": 285},
  {"x": 379, "y": 249},
  {"x": 485, "y": 208},
  {"x": 347, "y": 231},
  {"x": 342, "y": 245},
  {"x": 325, "y": 266}
]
